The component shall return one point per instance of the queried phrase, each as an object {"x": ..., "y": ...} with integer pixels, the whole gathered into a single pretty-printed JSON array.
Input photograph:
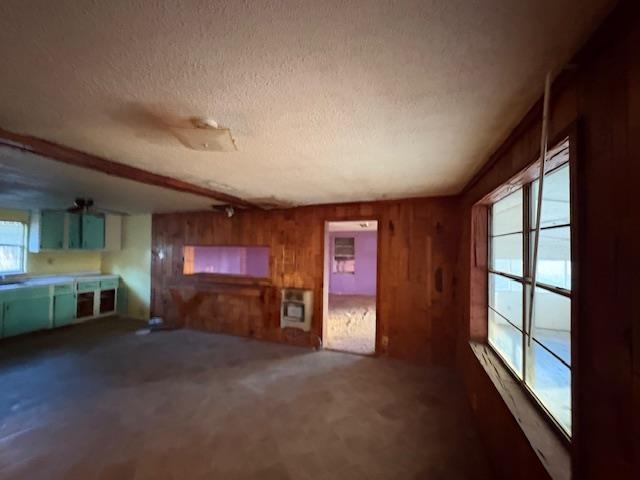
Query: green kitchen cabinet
[
  {"x": 25, "y": 315},
  {"x": 52, "y": 230},
  {"x": 89, "y": 286},
  {"x": 123, "y": 301},
  {"x": 64, "y": 309},
  {"x": 75, "y": 235},
  {"x": 92, "y": 232}
]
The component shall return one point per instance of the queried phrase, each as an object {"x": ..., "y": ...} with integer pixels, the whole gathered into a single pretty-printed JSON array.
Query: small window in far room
[
  {"x": 12, "y": 247},
  {"x": 344, "y": 255}
]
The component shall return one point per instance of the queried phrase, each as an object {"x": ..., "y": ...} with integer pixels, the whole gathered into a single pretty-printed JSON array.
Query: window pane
[
  {"x": 550, "y": 381},
  {"x": 506, "y": 254},
  {"x": 11, "y": 233},
  {"x": 555, "y": 198},
  {"x": 506, "y": 215},
  {"x": 554, "y": 257},
  {"x": 552, "y": 322},
  {"x": 11, "y": 259},
  {"x": 505, "y": 297},
  {"x": 506, "y": 340}
]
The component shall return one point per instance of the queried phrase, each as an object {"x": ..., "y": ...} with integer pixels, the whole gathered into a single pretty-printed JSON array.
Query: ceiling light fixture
[{"x": 205, "y": 134}]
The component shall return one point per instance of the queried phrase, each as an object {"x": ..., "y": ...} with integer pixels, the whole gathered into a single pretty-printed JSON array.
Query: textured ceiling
[{"x": 328, "y": 100}]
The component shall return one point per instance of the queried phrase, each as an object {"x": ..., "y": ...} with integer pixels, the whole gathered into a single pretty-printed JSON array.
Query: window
[
  {"x": 344, "y": 255},
  {"x": 13, "y": 237},
  {"x": 227, "y": 260},
  {"x": 543, "y": 361}
]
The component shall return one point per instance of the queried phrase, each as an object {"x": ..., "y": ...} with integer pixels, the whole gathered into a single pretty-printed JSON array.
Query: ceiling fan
[{"x": 85, "y": 205}]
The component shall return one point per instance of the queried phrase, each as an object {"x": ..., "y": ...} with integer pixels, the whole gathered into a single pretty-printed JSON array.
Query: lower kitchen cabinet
[
  {"x": 122, "y": 303},
  {"x": 30, "y": 308},
  {"x": 25, "y": 315},
  {"x": 64, "y": 309},
  {"x": 85, "y": 304},
  {"x": 107, "y": 301}
]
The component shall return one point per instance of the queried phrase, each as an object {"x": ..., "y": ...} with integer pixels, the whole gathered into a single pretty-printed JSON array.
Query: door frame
[{"x": 326, "y": 248}]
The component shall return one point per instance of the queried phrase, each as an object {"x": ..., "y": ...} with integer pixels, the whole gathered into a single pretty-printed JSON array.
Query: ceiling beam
[{"x": 71, "y": 156}]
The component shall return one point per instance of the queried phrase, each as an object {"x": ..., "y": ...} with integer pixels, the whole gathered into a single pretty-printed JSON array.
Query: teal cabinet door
[
  {"x": 92, "y": 232},
  {"x": 64, "y": 309},
  {"x": 74, "y": 230},
  {"x": 51, "y": 229},
  {"x": 122, "y": 301},
  {"x": 23, "y": 316}
]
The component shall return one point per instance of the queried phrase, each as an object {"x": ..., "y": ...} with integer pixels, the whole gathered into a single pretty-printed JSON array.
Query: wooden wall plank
[
  {"x": 602, "y": 97},
  {"x": 417, "y": 238}
]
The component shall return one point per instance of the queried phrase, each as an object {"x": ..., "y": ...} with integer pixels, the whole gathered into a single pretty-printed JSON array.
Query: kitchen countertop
[{"x": 41, "y": 281}]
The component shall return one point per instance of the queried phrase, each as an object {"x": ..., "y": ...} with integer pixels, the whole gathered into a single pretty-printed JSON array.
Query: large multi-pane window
[
  {"x": 537, "y": 351},
  {"x": 12, "y": 247}
]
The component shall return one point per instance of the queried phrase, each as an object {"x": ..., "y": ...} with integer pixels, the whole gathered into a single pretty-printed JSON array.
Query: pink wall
[
  {"x": 363, "y": 281},
  {"x": 258, "y": 261},
  {"x": 250, "y": 261}
]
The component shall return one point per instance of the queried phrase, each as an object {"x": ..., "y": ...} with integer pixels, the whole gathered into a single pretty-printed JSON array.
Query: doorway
[{"x": 350, "y": 286}]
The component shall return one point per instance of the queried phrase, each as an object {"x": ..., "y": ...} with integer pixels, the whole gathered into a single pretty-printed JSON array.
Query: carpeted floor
[{"x": 96, "y": 401}]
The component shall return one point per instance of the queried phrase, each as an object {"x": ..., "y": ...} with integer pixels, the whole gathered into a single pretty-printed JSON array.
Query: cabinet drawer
[
  {"x": 25, "y": 293},
  {"x": 67, "y": 288},
  {"x": 109, "y": 284},
  {"x": 88, "y": 286}
]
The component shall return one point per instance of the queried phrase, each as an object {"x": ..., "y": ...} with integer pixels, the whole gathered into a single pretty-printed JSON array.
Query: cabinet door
[
  {"x": 85, "y": 304},
  {"x": 22, "y": 316},
  {"x": 74, "y": 230},
  {"x": 122, "y": 301},
  {"x": 92, "y": 232},
  {"x": 107, "y": 301},
  {"x": 51, "y": 229},
  {"x": 64, "y": 309}
]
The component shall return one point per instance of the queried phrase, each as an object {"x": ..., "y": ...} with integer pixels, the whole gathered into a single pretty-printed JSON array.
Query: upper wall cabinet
[
  {"x": 51, "y": 230},
  {"x": 59, "y": 230},
  {"x": 92, "y": 233},
  {"x": 75, "y": 229}
]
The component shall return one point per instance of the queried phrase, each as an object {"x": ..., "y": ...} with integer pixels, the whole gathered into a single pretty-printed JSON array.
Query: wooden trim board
[{"x": 77, "y": 158}]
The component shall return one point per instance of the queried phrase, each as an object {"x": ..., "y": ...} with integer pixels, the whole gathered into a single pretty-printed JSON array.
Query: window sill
[
  {"x": 544, "y": 440},
  {"x": 227, "y": 279}
]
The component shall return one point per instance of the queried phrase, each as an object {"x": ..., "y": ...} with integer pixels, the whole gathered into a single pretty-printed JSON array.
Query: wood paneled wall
[
  {"x": 601, "y": 96},
  {"x": 418, "y": 243}
]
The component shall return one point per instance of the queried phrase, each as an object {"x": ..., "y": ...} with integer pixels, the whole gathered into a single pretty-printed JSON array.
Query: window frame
[
  {"x": 342, "y": 258},
  {"x": 523, "y": 183},
  {"x": 23, "y": 246}
]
